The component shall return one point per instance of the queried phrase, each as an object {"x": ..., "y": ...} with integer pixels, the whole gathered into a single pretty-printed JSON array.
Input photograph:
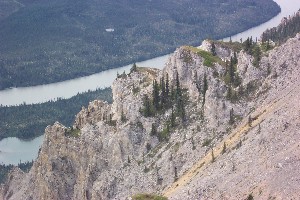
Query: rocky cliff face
[{"x": 109, "y": 153}]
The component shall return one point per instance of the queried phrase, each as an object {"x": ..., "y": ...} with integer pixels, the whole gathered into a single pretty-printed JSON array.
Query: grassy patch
[
  {"x": 148, "y": 197},
  {"x": 209, "y": 59},
  {"x": 235, "y": 46},
  {"x": 73, "y": 132}
]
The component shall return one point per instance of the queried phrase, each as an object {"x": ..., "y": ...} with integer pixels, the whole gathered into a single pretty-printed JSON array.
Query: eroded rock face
[
  {"x": 110, "y": 154},
  {"x": 266, "y": 163},
  {"x": 96, "y": 111}
]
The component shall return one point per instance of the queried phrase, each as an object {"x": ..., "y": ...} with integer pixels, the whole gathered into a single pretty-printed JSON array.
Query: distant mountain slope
[
  {"x": 7, "y": 7},
  {"x": 49, "y": 41}
]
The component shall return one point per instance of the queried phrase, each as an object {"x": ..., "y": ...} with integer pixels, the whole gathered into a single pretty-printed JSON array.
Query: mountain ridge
[{"x": 109, "y": 153}]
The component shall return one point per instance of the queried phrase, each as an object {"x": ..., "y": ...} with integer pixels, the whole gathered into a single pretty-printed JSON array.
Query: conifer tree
[
  {"x": 133, "y": 68},
  {"x": 123, "y": 117},
  {"x": 147, "y": 106},
  {"x": 235, "y": 60},
  {"x": 229, "y": 93},
  {"x": 163, "y": 92},
  {"x": 231, "y": 116},
  {"x": 155, "y": 95},
  {"x": 110, "y": 119},
  {"x": 153, "y": 130},
  {"x": 250, "y": 120},
  {"x": 172, "y": 92},
  {"x": 231, "y": 70},
  {"x": 172, "y": 118},
  {"x": 256, "y": 55},
  {"x": 167, "y": 86},
  {"x": 178, "y": 89},
  {"x": 213, "y": 49}
]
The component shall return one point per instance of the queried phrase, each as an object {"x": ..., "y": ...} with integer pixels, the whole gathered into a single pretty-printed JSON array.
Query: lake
[{"x": 12, "y": 150}]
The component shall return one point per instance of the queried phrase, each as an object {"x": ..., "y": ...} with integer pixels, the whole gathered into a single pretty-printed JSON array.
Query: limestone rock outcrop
[{"x": 110, "y": 152}]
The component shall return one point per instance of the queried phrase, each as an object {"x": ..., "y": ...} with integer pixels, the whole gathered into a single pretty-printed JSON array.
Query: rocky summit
[{"x": 225, "y": 126}]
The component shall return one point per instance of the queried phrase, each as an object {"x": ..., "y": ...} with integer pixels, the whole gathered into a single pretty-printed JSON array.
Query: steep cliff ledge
[{"x": 235, "y": 136}]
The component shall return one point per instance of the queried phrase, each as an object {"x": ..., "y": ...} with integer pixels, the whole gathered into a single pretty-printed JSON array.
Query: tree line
[
  {"x": 5, "y": 169},
  {"x": 165, "y": 96},
  {"x": 288, "y": 28},
  {"x": 29, "y": 121}
]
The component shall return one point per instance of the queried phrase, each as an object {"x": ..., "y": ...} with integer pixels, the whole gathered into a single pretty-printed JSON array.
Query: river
[
  {"x": 69, "y": 88},
  {"x": 12, "y": 150},
  {"x": 288, "y": 7}
]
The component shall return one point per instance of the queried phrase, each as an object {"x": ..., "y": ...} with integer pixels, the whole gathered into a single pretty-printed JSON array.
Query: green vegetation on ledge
[
  {"x": 209, "y": 58},
  {"x": 148, "y": 197}
]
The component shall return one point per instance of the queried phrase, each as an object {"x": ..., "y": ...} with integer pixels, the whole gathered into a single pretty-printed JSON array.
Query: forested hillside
[
  {"x": 49, "y": 41},
  {"x": 288, "y": 28},
  {"x": 29, "y": 121}
]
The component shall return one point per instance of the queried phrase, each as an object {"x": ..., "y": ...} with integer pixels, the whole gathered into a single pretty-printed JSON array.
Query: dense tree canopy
[{"x": 49, "y": 41}]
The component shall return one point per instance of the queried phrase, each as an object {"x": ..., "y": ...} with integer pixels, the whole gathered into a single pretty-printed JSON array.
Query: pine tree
[
  {"x": 123, "y": 117},
  {"x": 172, "y": 118},
  {"x": 155, "y": 95},
  {"x": 213, "y": 49},
  {"x": 235, "y": 60},
  {"x": 247, "y": 45},
  {"x": 256, "y": 55},
  {"x": 110, "y": 119},
  {"x": 167, "y": 86},
  {"x": 178, "y": 89},
  {"x": 175, "y": 173},
  {"x": 250, "y": 120},
  {"x": 163, "y": 92},
  {"x": 147, "y": 106},
  {"x": 231, "y": 70},
  {"x": 133, "y": 68},
  {"x": 153, "y": 130},
  {"x": 231, "y": 116},
  {"x": 229, "y": 93},
  {"x": 172, "y": 93}
]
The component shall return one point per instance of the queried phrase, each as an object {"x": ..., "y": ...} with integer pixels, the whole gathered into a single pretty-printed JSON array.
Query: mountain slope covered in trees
[
  {"x": 29, "y": 121},
  {"x": 288, "y": 28},
  {"x": 49, "y": 41}
]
